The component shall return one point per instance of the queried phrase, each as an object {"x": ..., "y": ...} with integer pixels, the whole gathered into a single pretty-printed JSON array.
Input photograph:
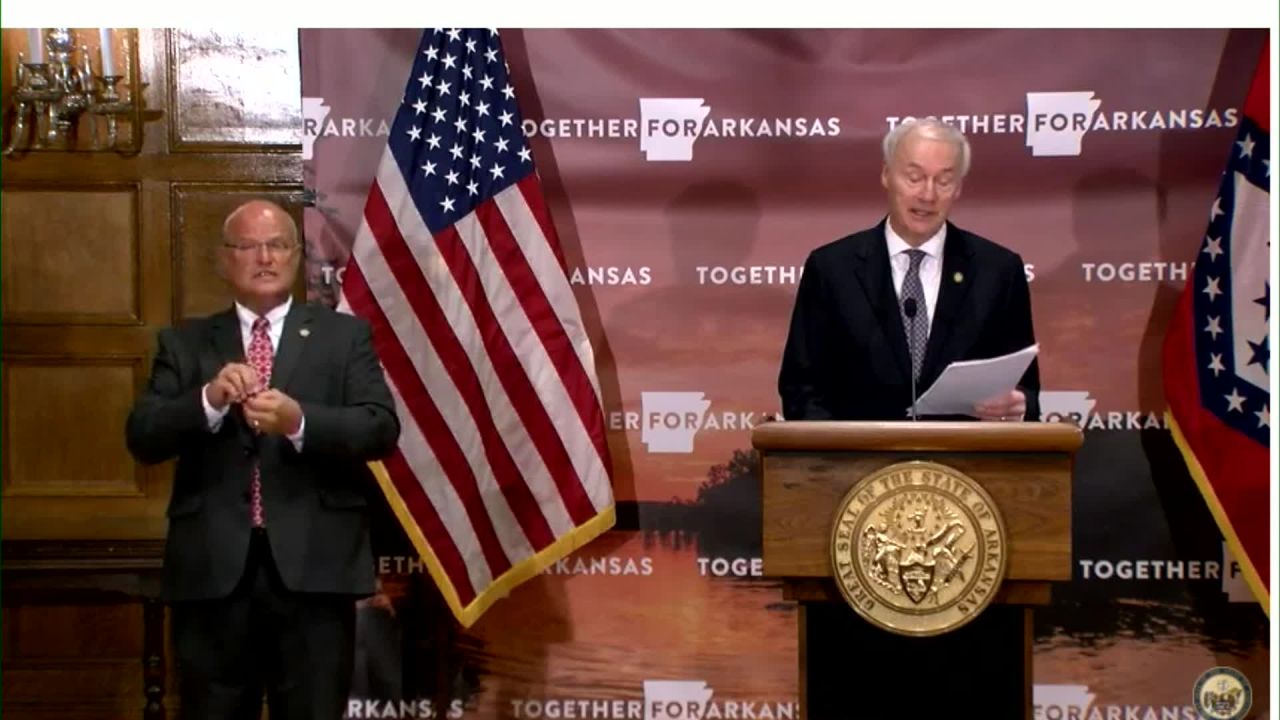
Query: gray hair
[{"x": 933, "y": 129}]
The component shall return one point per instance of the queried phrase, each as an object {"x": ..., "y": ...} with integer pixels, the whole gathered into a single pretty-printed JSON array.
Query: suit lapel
[
  {"x": 227, "y": 341},
  {"x": 293, "y": 340},
  {"x": 228, "y": 347},
  {"x": 876, "y": 278},
  {"x": 957, "y": 278}
]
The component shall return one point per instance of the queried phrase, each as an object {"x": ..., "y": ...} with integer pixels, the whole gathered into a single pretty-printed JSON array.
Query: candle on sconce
[
  {"x": 108, "y": 58},
  {"x": 34, "y": 46}
]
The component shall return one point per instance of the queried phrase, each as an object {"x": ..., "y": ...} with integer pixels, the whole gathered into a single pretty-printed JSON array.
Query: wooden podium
[{"x": 851, "y": 669}]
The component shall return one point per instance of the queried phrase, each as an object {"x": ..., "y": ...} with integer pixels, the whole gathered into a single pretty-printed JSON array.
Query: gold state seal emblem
[
  {"x": 1222, "y": 693},
  {"x": 918, "y": 548}
]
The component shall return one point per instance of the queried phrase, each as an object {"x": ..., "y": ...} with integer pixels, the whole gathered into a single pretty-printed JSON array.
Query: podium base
[{"x": 852, "y": 670}]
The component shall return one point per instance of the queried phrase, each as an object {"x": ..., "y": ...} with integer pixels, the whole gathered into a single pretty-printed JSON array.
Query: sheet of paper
[{"x": 966, "y": 383}]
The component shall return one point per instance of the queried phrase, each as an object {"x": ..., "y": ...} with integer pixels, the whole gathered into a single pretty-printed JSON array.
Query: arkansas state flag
[{"x": 1217, "y": 357}]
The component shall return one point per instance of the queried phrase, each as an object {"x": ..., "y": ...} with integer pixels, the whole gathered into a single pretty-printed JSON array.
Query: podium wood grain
[
  {"x": 802, "y": 492},
  {"x": 809, "y": 466}
]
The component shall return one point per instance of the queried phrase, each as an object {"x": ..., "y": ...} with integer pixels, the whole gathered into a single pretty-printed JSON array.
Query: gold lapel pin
[
  {"x": 958, "y": 277},
  {"x": 307, "y": 331}
]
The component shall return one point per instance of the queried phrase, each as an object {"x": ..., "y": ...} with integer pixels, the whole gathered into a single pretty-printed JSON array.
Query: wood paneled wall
[{"x": 98, "y": 250}]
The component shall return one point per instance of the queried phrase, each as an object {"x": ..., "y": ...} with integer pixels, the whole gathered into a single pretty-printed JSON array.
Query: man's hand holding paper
[{"x": 986, "y": 389}]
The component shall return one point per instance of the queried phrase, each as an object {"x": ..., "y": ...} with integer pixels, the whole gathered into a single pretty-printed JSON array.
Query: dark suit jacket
[
  {"x": 315, "y": 501},
  {"x": 846, "y": 356}
]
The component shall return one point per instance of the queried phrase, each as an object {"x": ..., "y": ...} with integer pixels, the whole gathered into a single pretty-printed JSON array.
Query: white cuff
[
  {"x": 296, "y": 438},
  {"x": 214, "y": 417}
]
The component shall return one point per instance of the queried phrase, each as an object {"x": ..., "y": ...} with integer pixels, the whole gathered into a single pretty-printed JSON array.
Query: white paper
[{"x": 968, "y": 382}]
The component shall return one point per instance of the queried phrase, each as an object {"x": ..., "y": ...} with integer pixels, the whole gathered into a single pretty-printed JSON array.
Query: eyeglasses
[{"x": 276, "y": 247}]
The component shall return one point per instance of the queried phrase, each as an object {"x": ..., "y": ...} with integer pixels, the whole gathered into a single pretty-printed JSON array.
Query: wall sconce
[{"x": 52, "y": 90}]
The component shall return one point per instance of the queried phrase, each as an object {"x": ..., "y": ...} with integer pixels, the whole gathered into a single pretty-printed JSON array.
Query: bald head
[{"x": 259, "y": 211}]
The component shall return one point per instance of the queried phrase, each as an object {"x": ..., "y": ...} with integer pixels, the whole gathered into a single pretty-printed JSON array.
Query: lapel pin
[
  {"x": 958, "y": 277},
  {"x": 307, "y": 331}
]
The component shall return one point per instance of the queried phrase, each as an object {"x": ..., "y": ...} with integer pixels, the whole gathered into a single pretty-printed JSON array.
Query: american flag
[
  {"x": 502, "y": 467},
  {"x": 1217, "y": 357}
]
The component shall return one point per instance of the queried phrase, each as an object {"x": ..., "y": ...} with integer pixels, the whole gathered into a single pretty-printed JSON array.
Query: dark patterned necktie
[
  {"x": 260, "y": 356},
  {"x": 917, "y": 329}
]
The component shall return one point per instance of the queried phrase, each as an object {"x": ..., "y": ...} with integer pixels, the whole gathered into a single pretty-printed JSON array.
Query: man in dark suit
[
  {"x": 853, "y": 346},
  {"x": 910, "y": 295},
  {"x": 272, "y": 409}
]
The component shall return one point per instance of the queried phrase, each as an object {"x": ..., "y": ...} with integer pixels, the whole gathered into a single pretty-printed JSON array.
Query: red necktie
[{"x": 260, "y": 356}]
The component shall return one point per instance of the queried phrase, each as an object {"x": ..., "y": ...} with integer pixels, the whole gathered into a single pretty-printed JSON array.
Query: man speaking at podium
[
  {"x": 878, "y": 316},
  {"x": 898, "y": 302}
]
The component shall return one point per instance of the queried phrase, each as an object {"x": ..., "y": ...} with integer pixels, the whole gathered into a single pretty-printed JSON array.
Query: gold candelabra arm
[
  {"x": 85, "y": 71},
  {"x": 19, "y": 135},
  {"x": 50, "y": 97},
  {"x": 22, "y": 106},
  {"x": 112, "y": 106}
]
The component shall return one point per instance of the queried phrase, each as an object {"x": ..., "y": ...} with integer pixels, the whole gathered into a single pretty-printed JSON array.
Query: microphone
[{"x": 909, "y": 309}]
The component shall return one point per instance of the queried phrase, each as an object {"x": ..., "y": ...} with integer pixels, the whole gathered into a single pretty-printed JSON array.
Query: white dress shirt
[
  {"x": 930, "y": 266},
  {"x": 275, "y": 328}
]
